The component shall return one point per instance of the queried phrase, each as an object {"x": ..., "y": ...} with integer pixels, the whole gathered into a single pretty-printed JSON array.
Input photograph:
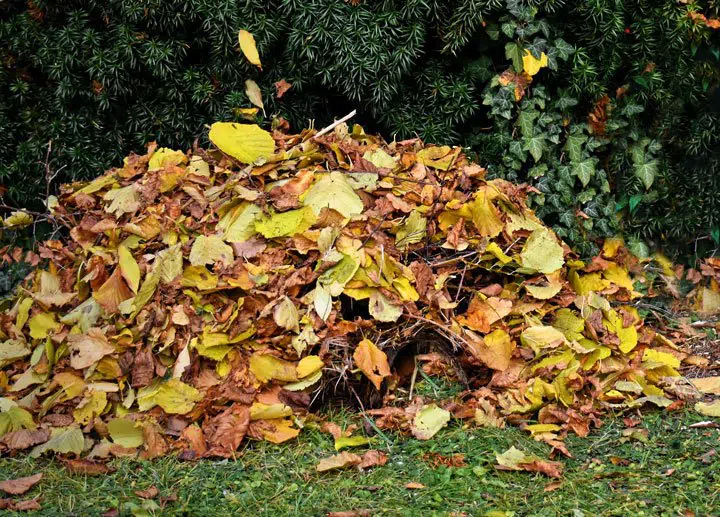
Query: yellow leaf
[
  {"x": 618, "y": 276},
  {"x": 198, "y": 277},
  {"x": 174, "y": 397},
  {"x": 260, "y": 411},
  {"x": 266, "y": 367},
  {"x": 585, "y": 284},
  {"x": 436, "y": 157},
  {"x": 611, "y": 246},
  {"x": 628, "y": 335},
  {"x": 532, "y": 65},
  {"x": 18, "y": 220},
  {"x": 545, "y": 292},
  {"x": 428, "y": 421},
  {"x": 542, "y": 252},
  {"x": 23, "y": 312},
  {"x": 239, "y": 223},
  {"x": 209, "y": 250},
  {"x": 380, "y": 159},
  {"x": 707, "y": 385},
  {"x": 499, "y": 254},
  {"x": 42, "y": 324},
  {"x": 286, "y": 224},
  {"x": 542, "y": 336},
  {"x": 278, "y": 430},
  {"x": 709, "y": 409},
  {"x": 72, "y": 385},
  {"x": 309, "y": 365},
  {"x": 247, "y": 45},
  {"x": 90, "y": 408},
  {"x": 286, "y": 315},
  {"x": 655, "y": 356},
  {"x": 483, "y": 213},
  {"x": 350, "y": 441},
  {"x": 382, "y": 309},
  {"x": 244, "y": 142},
  {"x": 165, "y": 157},
  {"x": 496, "y": 350},
  {"x": 126, "y": 433},
  {"x": 305, "y": 382},
  {"x": 122, "y": 200},
  {"x": 412, "y": 231},
  {"x": 333, "y": 191},
  {"x": 372, "y": 362},
  {"x": 252, "y": 90},
  {"x": 129, "y": 268}
]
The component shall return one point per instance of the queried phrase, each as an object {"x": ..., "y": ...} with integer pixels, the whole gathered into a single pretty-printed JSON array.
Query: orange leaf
[{"x": 372, "y": 362}]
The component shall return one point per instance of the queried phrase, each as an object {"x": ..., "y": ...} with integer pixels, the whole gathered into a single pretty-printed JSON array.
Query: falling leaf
[
  {"x": 247, "y": 45},
  {"x": 245, "y": 142},
  {"x": 252, "y": 90},
  {"x": 372, "y": 362},
  {"x": 281, "y": 88},
  {"x": 428, "y": 421},
  {"x": 20, "y": 485}
]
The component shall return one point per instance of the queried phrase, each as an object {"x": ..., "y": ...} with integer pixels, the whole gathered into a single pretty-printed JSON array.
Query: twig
[{"x": 335, "y": 124}]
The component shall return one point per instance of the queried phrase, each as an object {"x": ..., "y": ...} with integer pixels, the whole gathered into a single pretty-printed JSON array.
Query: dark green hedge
[{"x": 101, "y": 78}]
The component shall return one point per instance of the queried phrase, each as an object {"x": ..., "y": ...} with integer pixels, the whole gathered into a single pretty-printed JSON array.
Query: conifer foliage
[{"x": 101, "y": 79}]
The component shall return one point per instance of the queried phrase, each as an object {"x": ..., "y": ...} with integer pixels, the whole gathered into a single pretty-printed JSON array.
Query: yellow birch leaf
[
  {"x": 278, "y": 430},
  {"x": 333, "y": 191},
  {"x": 42, "y": 324},
  {"x": 542, "y": 336},
  {"x": 90, "y": 408},
  {"x": 498, "y": 253},
  {"x": 382, "y": 309},
  {"x": 350, "y": 441},
  {"x": 209, "y": 250},
  {"x": 129, "y": 268},
  {"x": 542, "y": 252},
  {"x": 338, "y": 461},
  {"x": 23, "y": 312},
  {"x": 244, "y": 142},
  {"x": 655, "y": 356},
  {"x": 266, "y": 367},
  {"x": 286, "y": 315},
  {"x": 165, "y": 157},
  {"x": 126, "y": 433},
  {"x": 496, "y": 350},
  {"x": 372, "y": 362},
  {"x": 113, "y": 292},
  {"x": 286, "y": 224},
  {"x": 247, "y": 45},
  {"x": 428, "y": 421},
  {"x": 709, "y": 408},
  {"x": 260, "y": 411}
]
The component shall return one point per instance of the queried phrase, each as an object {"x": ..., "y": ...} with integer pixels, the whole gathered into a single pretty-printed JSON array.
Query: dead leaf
[
  {"x": 20, "y": 485},
  {"x": 338, "y": 461},
  {"x": 149, "y": 493}
]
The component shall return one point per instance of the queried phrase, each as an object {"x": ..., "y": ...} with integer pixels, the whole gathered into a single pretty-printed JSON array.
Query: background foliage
[{"x": 101, "y": 78}]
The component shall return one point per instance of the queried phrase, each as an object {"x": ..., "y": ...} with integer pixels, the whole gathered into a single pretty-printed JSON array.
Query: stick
[{"x": 335, "y": 124}]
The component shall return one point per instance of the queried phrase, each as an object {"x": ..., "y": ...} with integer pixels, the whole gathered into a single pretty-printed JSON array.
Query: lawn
[{"x": 674, "y": 472}]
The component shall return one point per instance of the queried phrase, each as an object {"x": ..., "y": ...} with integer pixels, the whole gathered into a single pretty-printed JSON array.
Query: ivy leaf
[
  {"x": 646, "y": 172},
  {"x": 515, "y": 51},
  {"x": 573, "y": 147},
  {"x": 535, "y": 145},
  {"x": 563, "y": 48},
  {"x": 584, "y": 171},
  {"x": 525, "y": 121}
]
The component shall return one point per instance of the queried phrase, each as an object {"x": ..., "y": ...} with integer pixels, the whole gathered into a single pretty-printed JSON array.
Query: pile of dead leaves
[{"x": 201, "y": 298}]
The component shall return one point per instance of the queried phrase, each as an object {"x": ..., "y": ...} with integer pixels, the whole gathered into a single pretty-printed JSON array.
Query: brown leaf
[
  {"x": 351, "y": 513},
  {"x": 25, "y": 438},
  {"x": 551, "y": 469},
  {"x": 143, "y": 369},
  {"x": 372, "y": 362},
  {"x": 29, "y": 505},
  {"x": 87, "y": 467},
  {"x": 373, "y": 458},
  {"x": 414, "y": 485},
  {"x": 225, "y": 431},
  {"x": 149, "y": 493},
  {"x": 281, "y": 87},
  {"x": 20, "y": 485},
  {"x": 550, "y": 487},
  {"x": 338, "y": 461}
]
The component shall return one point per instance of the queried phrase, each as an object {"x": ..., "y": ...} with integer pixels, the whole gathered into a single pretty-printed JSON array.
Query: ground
[{"x": 674, "y": 472}]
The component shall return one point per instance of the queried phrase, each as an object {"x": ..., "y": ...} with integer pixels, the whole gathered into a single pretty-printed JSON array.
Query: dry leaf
[{"x": 20, "y": 485}]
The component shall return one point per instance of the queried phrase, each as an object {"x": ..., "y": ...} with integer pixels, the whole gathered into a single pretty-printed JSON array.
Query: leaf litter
[{"x": 202, "y": 299}]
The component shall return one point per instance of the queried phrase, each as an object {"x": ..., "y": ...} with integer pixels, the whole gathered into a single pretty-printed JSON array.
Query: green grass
[{"x": 669, "y": 474}]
